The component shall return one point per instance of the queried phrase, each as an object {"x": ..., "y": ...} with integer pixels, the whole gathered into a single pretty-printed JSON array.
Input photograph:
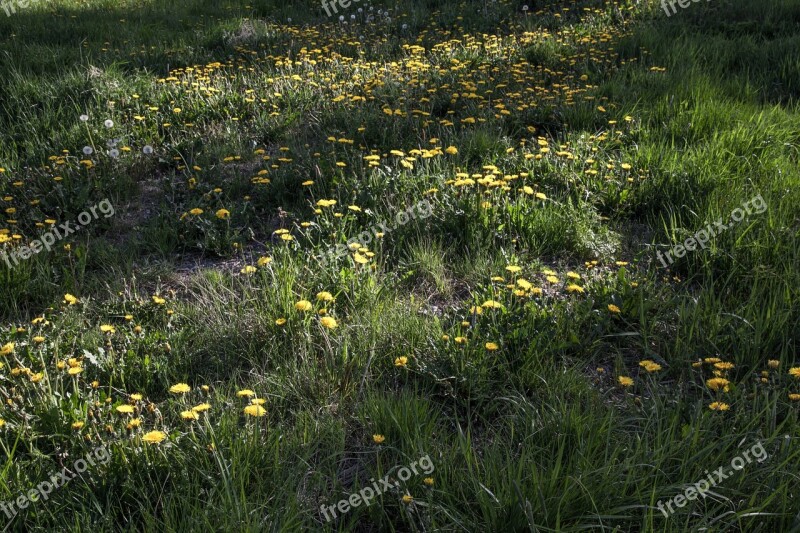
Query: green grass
[{"x": 589, "y": 136}]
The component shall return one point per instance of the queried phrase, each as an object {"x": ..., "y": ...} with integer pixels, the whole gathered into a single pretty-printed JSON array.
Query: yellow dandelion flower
[
  {"x": 303, "y": 305},
  {"x": 201, "y": 408},
  {"x": 180, "y": 388},
  {"x": 378, "y": 438},
  {"x": 401, "y": 361},
  {"x": 255, "y": 410},
  {"x": 328, "y": 322},
  {"x": 614, "y": 309},
  {"x": 125, "y": 409},
  {"x": 491, "y": 346},
  {"x": 153, "y": 437},
  {"x": 245, "y": 393},
  {"x": 625, "y": 381},
  {"x": 719, "y": 406},
  {"x": 189, "y": 415}
]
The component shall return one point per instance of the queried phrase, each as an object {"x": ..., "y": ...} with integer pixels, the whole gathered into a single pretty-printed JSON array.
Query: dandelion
[
  {"x": 716, "y": 384},
  {"x": 795, "y": 371},
  {"x": 196, "y": 211},
  {"x": 180, "y": 388},
  {"x": 189, "y": 415},
  {"x": 84, "y": 118},
  {"x": 7, "y": 348},
  {"x": 75, "y": 370},
  {"x": 201, "y": 408},
  {"x": 407, "y": 498},
  {"x": 328, "y": 322},
  {"x": 255, "y": 410},
  {"x": 650, "y": 366},
  {"x": 222, "y": 214},
  {"x": 794, "y": 397},
  {"x": 428, "y": 481},
  {"x": 70, "y": 299},
  {"x": 245, "y": 393},
  {"x": 613, "y": 308},
  {"x": 280, "y": 321},
  {"x": 125, "y": 409},
  {"x": 574, "y": 288},
  {"x": 719, "y": 406},
  {"x": 491, "y": 346},
  {"x": 625, "y": 381},
  {"x": 78, "y": 425},
  {"x": 378, "y": 438},
  {"x": 88, "y": 150},
  {"x": 303, "y": 305},
  {"x": 401, "y": 361},
  {"x": 324, "y": 296},
  {"x": 152, "y": 437},
  {"x": 147, "y": 149},
  {"x": 108, "y": 123},
  {"x": 773, "y": 363},
  {"x": 723, "y": 366}
]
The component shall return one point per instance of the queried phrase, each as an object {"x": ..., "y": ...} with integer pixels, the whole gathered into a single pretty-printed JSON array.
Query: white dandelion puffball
[
  {"x": 147, "y": 149},
  {"x": 88, "y": 150},
  {"x": 84, "y": 118},
  {"x": 113, "y": 153},
  {"x": 109, "y": 123}
]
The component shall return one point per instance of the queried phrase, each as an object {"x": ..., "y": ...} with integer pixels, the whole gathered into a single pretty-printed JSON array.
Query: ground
[{"x": 417, "y": 266}]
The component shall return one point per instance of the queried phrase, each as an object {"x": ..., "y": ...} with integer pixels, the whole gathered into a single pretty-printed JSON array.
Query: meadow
[{"x": 510, "y": 266}]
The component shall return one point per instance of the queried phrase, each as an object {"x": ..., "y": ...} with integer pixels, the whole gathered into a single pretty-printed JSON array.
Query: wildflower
[
  {"x": 613, "y": 308},
  {"x": 125, "y": 409},
  {"x": 625, "y": 381},
  {"x": 428, "y": 481},
  {"x": 201, "y": 408},
  {"x": 328, "y": 322},
  {"x": 222, "y": 214},
  {"x": 303, "y": 305},
  {"x": 794, "y": 397},
  {"x": 716, "y": 384},
  {"x": 106, "y": 328},
  {"x": 378, "y": 438},
  {"x": 719, "y": 406},
  {"x": 249, "y": 269},
  {"x": 189, "y": 415},
  {"x": 491, "y": 346},
  {"x": 75, "y": 370},
  {"x": 574, "y": 288},
  {"x": 324, "y": 296},
  {"x": 158, "y": 300},
  {"x": 77, "y": 425},
  {"x": 401, "y": 361},
  {"x": 257, "y": 401},
  {"x": 70, "y": 299},
  {"x": 245, "y": 393},
  {"x": 7, "y": 348},
  {"x": 650, "y": 366},
  {"x": 153, "y": 437},
  {"x": 491, "y": 304},
  {"x": 180, "y": 388},
  {"x": 773, "y": 363},
  {"x": 196, "y": 211},
  {"x": 513, "y": 269},
  {"x": 280, "y": 321},
  {"x": 723, "y": 366},
  {"x": 136, "y": 397},
  {"x": 407, "y": 498},
  {"x": 795, "y": 371},
  {"x": 452, "y": 150},
  {"x": 264, "y": 261},
  {"x": 255, "y": 410}
]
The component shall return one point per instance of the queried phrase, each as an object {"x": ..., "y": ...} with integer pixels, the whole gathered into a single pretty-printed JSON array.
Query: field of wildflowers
[{"x": 249, "y": 342}]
